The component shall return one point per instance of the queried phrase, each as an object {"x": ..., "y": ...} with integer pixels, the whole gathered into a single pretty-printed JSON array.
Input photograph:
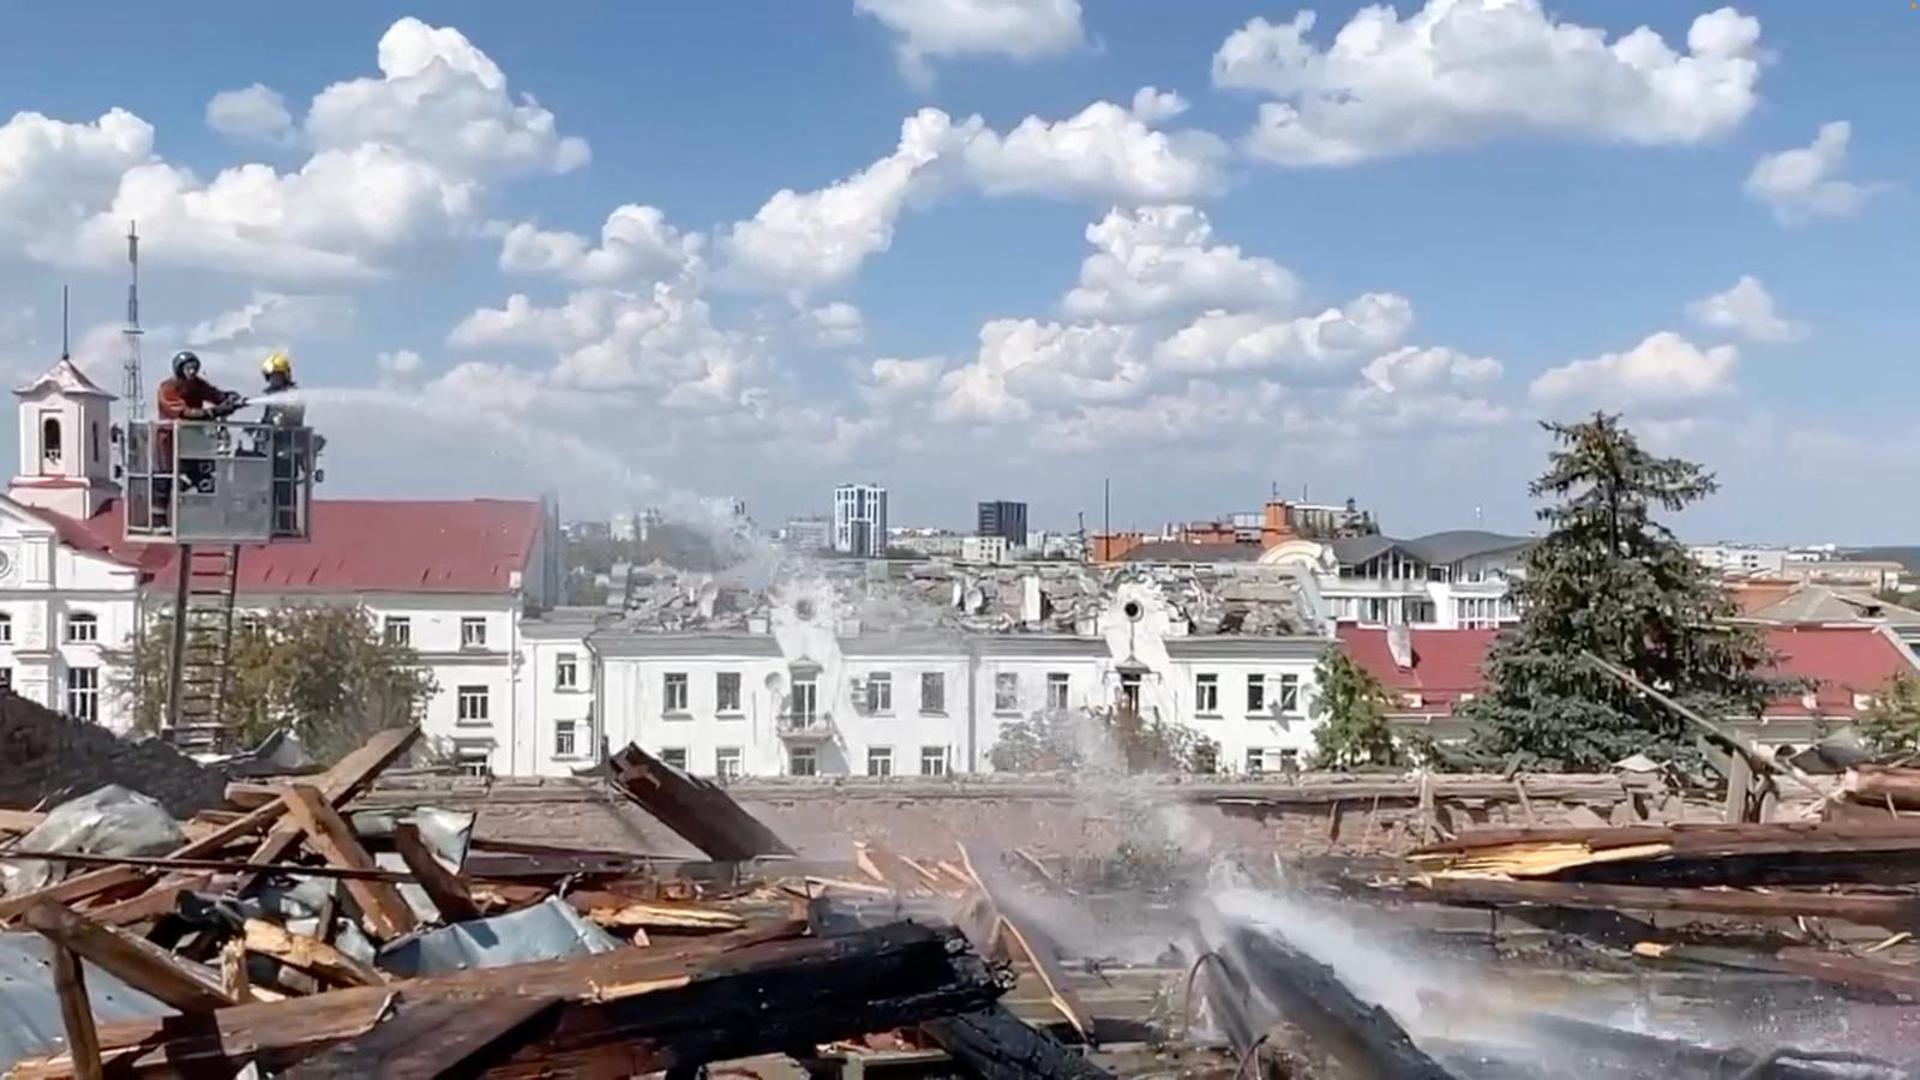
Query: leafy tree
[
  {"x": 1352, "y": 714},
  {"x": 1611, "y": 580},
  {"x": 324, "y": 671},
  {"x": 1891, "y": 726},
  {"x": 1065, "y": 740}
]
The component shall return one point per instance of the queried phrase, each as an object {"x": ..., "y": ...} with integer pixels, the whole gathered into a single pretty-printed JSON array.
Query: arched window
[
  {"x": 50, "y": 440},
  {"x": 93, "y": 443},
  {"x": 83, "y": 626},
  {"x": 6, "y": 628}
]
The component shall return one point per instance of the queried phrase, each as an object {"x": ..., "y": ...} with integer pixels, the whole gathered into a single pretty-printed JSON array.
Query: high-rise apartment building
[
  {"x": 1004, "y": 519},
  {"x": 860, "y": 520}
]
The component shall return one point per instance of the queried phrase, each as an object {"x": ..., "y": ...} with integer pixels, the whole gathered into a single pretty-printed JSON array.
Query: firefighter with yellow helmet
[{"x": 280, "y": 398}]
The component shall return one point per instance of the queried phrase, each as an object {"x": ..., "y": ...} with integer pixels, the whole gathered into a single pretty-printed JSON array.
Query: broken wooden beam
[
  {"x": 994, "y": 1044},
  {"x": 340, "y": 784},
  {"x": 133, "y": 960},
  {"x": 381, "y": 905},
  {"x": 309, "y": 954},
  {"x": 615, "y": 911},
  {"x": 442, "y": 886},
  {"x": 1894, "y": 912},
  {"x": 644, "y": 1009},
  {"x": 76, "y": 1013},
  {"x": 1023, "y": 938},
  {"x": 701, "y": 812},
  {"x": 1882, "y": 786},
  {"x": 428, "y": 1039}
]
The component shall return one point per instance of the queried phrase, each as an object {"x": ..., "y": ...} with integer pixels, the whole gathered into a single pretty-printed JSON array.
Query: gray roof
[
  {"x": 1175, "y": 551},
  {"x": 1041, "y": 645},
  {"x": 1826, "y": 604},
  {"x": 1434, "y": 549},
  {"x": 1233, "y": 646},
  {"x": 613, "y": 643}
]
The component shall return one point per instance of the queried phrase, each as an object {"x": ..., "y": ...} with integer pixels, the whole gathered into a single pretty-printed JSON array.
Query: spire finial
[{"x": 65, "y": 324}]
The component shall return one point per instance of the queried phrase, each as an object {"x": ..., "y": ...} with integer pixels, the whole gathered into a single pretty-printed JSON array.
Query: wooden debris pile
[
  {"x": 1844, "y": 894},
  {"x": 291, "y": 934}
]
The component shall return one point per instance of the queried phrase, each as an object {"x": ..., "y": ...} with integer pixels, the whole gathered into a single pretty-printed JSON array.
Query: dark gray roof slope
[{"x": 1434, "y": 549}]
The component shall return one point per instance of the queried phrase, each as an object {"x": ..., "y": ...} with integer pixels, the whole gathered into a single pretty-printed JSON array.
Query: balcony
[{"x": 805, "y": 727}]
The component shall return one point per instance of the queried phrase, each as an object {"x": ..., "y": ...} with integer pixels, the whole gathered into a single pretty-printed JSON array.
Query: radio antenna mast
[{"x": 131, "y": 383}]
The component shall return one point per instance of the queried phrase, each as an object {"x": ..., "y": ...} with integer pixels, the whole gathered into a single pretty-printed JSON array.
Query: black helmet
[{"x": 182, "y": 359}]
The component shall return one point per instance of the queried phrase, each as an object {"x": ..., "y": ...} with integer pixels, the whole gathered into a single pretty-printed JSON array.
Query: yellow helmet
[{"x": 277, "y": 363}]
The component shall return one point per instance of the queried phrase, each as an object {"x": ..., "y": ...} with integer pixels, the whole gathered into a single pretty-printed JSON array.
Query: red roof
[
  {"x": 1446, "y": 663},
  {"x": 358, "y": 545},
  {"x": 1840, "y": 661}
]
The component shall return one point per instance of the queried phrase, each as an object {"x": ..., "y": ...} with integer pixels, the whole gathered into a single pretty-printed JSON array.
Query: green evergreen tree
[
  {"x": 1611, "y": 580},
  {"x": 1351, "y": 710},
  {"x": 1891, "y": 725}
]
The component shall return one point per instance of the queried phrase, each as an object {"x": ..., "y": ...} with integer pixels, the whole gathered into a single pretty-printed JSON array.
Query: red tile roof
[
  {"x": 1446, "y": 663},
  {"x": 359, "y": 545},
  {"x": 1840, "y": 661}
]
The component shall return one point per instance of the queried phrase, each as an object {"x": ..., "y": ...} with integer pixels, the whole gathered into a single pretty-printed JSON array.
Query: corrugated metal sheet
[
  {"x": 30, "y": 1023},
  {"x": 546, "y": 931}
]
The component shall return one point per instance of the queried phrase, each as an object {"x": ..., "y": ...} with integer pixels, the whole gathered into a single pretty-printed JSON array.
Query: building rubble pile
[
  {"x": 299, "y": 935},
  {"x": 1041, "y": 597}
]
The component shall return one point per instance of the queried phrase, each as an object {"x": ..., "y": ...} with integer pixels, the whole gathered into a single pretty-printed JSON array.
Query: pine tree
[{"x": 1611, "y": 580}]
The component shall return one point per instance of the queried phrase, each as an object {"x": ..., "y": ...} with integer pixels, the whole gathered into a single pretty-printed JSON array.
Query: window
[
  {"x": 1006, "y": 692},
  {"x": 397, "y": 630},
  {"x": 50, "y": 440},
  {"x": 802, "y": 761},
  {"x": 933, "y": 761},
  {"x": 566, "y": 672},
  {"x": 880, "y": 692},
  {"x": 6, "y": 678},
  {"x": 6, "y": 627},
  {"x": 83, "y": 693},
  {"x": 473, "y": 632},
  {"x": 933, "y": 692},
  {"x": 563, "y": 739},
  {"x": 1057, "y": 689},
  {"x": 473, "y": 702},
  {"x": 83, "y": 626},
  {"x": 1289, "y": 694},
  {"x": 675, "y": 756},
  {"x": 674, "y": 692},
  {"x": 726, "y": 762},
  {"x": 726, "y": 691},
  {"x": 1256, "y": 761},
  {"x": 1130, "y": 691},
  {"x": 1206, "y": 694},
  {"x": 1256, "y": 693},
  {"x": 806, "y": 701},
  {"x": 93, "y": 441},
  {"x": 471, "y": 756},
  {"x": 879, "y": 761}
]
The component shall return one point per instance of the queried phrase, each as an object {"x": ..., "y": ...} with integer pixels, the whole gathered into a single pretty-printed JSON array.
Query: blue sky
[{"x": 1457, "y": 218}]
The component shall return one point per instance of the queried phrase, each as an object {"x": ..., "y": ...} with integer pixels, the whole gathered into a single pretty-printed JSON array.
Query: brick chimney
[{"x": 1276, "y": 527}]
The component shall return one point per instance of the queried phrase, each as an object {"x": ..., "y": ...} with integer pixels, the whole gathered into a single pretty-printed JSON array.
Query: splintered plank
[
  {"x": 620, "y": 912},
  {"x": 76, "y": 1013},
  {"x": 385, "y": 910},
  {"x": 881, "y": 864},
  {"x": 1894, "y": 912},
  {"x": 651, "y": 1009},
  {"x": 133, "y": 960},
  {"x": 1024, "y": 938},
  {"x": 428, "y": 1039},
  {"x": 309, "y": 954},
  {"x": 443, "y": 887},
  {"x": 702, "y": 813},
  {"x": 347, "y": 778}
]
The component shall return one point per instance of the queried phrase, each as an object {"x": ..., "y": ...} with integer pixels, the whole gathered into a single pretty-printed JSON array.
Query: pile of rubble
[{"x": 294, "y": 935}]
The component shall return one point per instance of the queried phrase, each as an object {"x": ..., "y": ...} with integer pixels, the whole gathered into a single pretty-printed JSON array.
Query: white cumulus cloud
[
  {"x": 836, "y": 324},
  {"x": 1460, "y": 72},
  {"x": 271, "y": 319},
  {"x": 1804, "y": 184},
  {"x": 1415, "y": 369},
  {"x": 892, "y": 379},
  {"x": 1020, "y": 29},
  {"x": 1662, "y": 372},
  {"x": 1309, "y": 346},
  {"x": 1747, "y": 310},
  {"x": 1163, "y": 260},
  {"x": 1024, "y": 363},
  {"x": 53, "y": 173},
  {"x": 636, "y": 244},
  {"x": 442, "y": 99},
  {"x": 255, "y": 114},
  {"x": 1106, "y": 152}
]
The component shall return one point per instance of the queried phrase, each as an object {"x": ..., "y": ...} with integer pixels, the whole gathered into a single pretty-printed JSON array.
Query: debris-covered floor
[{"x": 315, "y": 927}]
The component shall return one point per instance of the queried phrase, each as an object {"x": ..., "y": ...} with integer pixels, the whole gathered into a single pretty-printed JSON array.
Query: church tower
[{"x": 66, "y": 456}]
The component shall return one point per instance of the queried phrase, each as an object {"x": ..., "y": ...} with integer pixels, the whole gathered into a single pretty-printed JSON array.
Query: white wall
[{"x": 42, "y": 585}]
